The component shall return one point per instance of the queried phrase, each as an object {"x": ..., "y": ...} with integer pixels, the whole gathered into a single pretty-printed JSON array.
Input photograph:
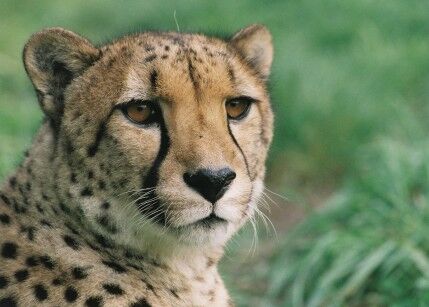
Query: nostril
[
  {"x": 211, "y": 184},
  {"x": 230, "y": 177},
  {"x": 188, "y": 178}
]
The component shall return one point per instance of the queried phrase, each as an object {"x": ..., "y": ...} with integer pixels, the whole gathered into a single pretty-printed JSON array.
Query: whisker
[{"x": 277, "y": 194}]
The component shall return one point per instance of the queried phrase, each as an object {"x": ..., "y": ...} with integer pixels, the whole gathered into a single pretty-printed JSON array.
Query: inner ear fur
[
  {"x": 254, "y": 43},
  {"x": 53, "y": 58}
]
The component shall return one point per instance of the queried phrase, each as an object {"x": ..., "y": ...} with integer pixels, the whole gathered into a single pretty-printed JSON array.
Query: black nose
[{"x": 211, "y": 184}]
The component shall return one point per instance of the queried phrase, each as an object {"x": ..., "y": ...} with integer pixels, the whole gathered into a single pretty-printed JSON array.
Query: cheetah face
[{"x": 173, "y": 128}]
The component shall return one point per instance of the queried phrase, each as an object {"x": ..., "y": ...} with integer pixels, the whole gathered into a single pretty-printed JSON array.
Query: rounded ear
[
  {"x": 52, "y": 59},
  {"x": 255, "y": 44}
]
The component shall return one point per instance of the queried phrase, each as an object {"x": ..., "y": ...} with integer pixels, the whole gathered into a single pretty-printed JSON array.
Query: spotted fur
[{"x": 98, "y": 213}]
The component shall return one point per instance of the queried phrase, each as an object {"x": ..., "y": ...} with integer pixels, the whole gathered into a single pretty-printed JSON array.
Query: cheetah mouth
[{"x": 208, "y": 222}]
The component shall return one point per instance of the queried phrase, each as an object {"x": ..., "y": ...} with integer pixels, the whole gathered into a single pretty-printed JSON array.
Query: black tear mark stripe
[
  {"x": 152, "y": 176},
  {"x": 101, "y": 132},
  {"x": 92, "y": 150},
  {"x": 240, "y": 149}
]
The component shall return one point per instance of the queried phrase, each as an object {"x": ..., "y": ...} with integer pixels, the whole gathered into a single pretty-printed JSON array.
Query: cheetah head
[{"x": 168, "y": 130}]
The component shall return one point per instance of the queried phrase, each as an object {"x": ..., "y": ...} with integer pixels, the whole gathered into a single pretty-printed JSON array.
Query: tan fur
[{"x": 78, "y": 203}]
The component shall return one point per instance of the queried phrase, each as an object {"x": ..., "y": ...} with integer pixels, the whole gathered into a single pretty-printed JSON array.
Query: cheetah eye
[
  {"x": 238, "y": 108},
  {"x": 141, "y": 112}
]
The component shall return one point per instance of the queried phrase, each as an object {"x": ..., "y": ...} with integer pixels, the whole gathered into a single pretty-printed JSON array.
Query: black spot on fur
[
  {"x": 71, "y": 242},
  {"x": 29, "y": 230},
  {"x": 86, "y": 192},
  {"x": 39, "y": 208},
  {"x": 140, "y": 303},
  {"x": 105, "y": 205},
  {"x": 134, "y": 266},
  {"x": 64, "y": 208},
  {"x": 111, "y": 62},
  {"x": 71, "y": 228},
  {"x": 132, "y": 255},
  {"x": 113, "y": 289},
  {"x": 9, "y": 250},
  {"x": 149, "y": 48},
  {"x": 47, "y": 262},
  {"x": 93, "y": 246},
  {"x": 114, "y": 266},
  {"x": 150, "y": 58},
  {"x": 54, "y": 210},
  {"x": 31, "y": 261},
  {"x": 71, "y": 294},
  {"x": 5, "y": 219},
  {"x": 57, "y": 282},
  {"x": 79, "y": 273},
  {"x": 21, "y": 190},
  {"x": 5, "y": 199},
  {"x": 94, "y": 301},
  {"x": 153, "y": 79},
  {"x": 21, "y": 275},
  {"x": 174, "y": 293},
  {"x": 149, "y": 286},
  {"x": 19, "y": 209},
  {"x": 103, "y": 241},
  {"x": 40, "y": 292},
  {"x": 30, "y": 233},
  {"x": 123, "y": 182},
  {"x": 210, "y": 262},
  {"x": 12, "y": 182},
  {"x": 46, "y": 223},
  {"x": 69, "y": 147},
  {"x": 4, "y": 281},
  {"x": 101, "y": 184},
  {"x": 73, "y": 177},
  {"x": 106, "y": 224},
  {"x": 8, "y": 302}
]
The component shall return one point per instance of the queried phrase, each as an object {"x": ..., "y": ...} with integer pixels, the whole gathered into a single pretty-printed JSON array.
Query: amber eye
[
  {"x": 237, "y": 108},
  {"x": 141, "y": 112}
]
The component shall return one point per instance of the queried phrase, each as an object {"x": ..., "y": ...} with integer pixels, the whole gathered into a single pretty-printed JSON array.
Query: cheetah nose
[{"x": 210, "y": 184}]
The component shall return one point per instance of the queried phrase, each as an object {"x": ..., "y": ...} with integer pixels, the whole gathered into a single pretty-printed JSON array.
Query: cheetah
[{"x": 150, "y": 156}]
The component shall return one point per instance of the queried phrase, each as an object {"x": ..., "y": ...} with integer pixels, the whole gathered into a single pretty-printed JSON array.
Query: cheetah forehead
[{"x": 168, "y": 60}]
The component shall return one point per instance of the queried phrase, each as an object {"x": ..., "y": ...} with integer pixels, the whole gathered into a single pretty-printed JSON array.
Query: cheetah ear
[
  {"x": 255, "y": 45},
  {"x": 52, "y": 59}
]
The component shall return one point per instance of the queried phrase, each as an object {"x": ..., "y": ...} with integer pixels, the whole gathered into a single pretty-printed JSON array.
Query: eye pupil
[
  {"x": 238, "y": 108},
  {"x": 140, "y": 112}
]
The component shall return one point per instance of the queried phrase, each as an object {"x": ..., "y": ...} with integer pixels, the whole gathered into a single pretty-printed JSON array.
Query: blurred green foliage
[
  {"x": 350, "y": 88},
  {"x": 369, "y": 245}
]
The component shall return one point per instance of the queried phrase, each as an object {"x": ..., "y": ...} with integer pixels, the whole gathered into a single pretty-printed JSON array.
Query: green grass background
[{"x": 350, "y": 88}]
